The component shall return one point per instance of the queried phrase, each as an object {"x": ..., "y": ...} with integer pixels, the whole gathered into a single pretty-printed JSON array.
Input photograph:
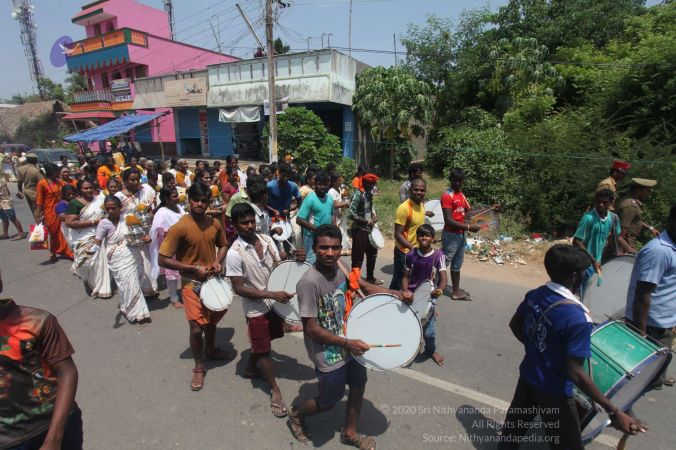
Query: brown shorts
[
  {"x": 195, "y": 310},
  {"x": 263, "y": 329}
]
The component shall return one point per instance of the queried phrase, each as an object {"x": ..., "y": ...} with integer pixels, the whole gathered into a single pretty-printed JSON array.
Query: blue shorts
[
  {"x": 332, "y": 384},
  {"x": 454, "y": 249},
  {"x": 8, "y": 214}
]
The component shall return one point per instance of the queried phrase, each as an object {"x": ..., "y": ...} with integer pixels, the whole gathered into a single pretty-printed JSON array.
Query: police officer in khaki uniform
[
  {"x": 618, "y": 171},
  {"x": 630, "y": 210}
]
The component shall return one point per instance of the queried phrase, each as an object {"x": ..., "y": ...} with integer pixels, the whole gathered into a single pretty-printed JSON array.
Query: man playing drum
[
  {"x": 321, "y": 295},
  {"x": 423, "y": 264},
  {"x": 651, "y": 299},
  {"x": 249, "y": 263},
  {"x": 363, "y": 218},
  {"x": 555, "y": 329},
  {"x": 193, "y": 240}
]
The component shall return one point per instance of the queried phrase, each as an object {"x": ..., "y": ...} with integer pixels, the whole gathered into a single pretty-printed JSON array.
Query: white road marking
[{"x": 471, "y": 394}]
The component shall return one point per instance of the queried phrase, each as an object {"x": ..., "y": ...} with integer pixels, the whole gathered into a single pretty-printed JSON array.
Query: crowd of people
[{"x": 125, "y": 223}]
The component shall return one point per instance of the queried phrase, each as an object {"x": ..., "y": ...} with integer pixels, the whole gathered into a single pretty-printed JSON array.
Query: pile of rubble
[{"x": 506, "y": 250}]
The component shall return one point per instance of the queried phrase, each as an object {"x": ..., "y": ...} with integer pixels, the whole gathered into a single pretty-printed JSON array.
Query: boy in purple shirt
[{"x": 422, "y": 264}]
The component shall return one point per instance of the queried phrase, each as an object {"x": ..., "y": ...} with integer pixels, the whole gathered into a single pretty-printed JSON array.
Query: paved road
[{"x": 134, "y": 392}]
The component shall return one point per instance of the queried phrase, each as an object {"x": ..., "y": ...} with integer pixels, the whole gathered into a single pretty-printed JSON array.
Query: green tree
[
  {"x": 394, "y": 105},
  {"x": 75, "y": 82},
  {"x": 280, "y": 47},
  {"x": 302, "y": 134}
]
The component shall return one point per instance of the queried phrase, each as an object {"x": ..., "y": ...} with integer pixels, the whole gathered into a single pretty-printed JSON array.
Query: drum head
[
  {"x": 377, "y": 238},
  {"x": 624, "y": 364},
  {"x": 216, "y": 294},
  {"x": 421, "y": 305},
  {"x": 287, "y": 230},
  {"x": 383, "y": 319},
  {"x": 610, "y": 298},
  {"x": 285, "y": 277},
  {"x": 437, "y": 221}
]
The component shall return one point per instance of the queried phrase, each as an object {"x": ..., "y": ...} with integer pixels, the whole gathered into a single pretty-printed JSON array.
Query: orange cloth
[
  {"x": 180, "y": 179},
  {"x": 370, "y": 177},
  {"x": 353, "y": 287},
  {"x": 103, "y": 175},
  {"x": 195, "y": 310},
  {"x": 357, "y": 184},
  {"x": 48, "y": 195}
]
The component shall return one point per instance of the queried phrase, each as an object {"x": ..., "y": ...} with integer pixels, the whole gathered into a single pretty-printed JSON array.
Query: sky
[{"x": 374, "y": 24}]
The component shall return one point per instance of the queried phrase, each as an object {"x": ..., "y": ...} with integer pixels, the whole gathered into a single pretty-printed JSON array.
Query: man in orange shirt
[{"x": 106, "y": 171}]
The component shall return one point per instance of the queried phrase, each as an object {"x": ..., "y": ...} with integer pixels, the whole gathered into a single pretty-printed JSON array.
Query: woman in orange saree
[{"x": 48, "y": 195}]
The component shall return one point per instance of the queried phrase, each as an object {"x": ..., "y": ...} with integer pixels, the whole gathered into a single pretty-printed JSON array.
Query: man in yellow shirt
[{"x": 409, "y": 216}]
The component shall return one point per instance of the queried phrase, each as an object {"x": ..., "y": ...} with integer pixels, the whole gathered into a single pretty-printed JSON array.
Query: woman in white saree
[
  {"x": 166, "y": 215},
  {"x": 131, "y": 197},
  {"x": 90, "y": 264},
  {"x": 124, "y": 262}
]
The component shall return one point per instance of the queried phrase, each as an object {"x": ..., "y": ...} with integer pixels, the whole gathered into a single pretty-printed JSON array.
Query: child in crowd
[{"x": 423, "y": 264}]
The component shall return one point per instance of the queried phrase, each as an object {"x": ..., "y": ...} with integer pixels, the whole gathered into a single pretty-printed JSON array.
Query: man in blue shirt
[
  {"x": 281, "y": 191},
  {"x": 316, "y": 209},
  {"x": 651, "y": 298},
  {"x": 555, "y": 329}
]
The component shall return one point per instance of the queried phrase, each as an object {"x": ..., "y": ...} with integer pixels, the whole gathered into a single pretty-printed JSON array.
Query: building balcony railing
[
  {"x": 94, "y": 95},
  {"x": 117, "y": 37}
]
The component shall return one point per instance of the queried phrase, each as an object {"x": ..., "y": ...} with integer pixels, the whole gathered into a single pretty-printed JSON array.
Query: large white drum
[
  {"x": 216, "y": 293},
  {"x": 287, "y": 230},
  {"x": 422, "y": 301},
  {"x": 383, "y": 319},
  {"x": 609, "y": 299},
  {"x": 285, "y": 277},
  {"x": 437, "y": 221}
]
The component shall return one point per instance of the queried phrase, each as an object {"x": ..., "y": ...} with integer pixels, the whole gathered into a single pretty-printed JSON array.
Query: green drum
[{"x": 623, "y": 365}]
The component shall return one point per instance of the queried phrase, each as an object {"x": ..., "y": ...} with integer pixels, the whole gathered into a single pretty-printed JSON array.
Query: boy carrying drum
[{"x": 422, "y": 264}]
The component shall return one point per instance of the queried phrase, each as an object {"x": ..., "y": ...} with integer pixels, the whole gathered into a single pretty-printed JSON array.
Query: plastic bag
[{"x": 38, "y": 237}]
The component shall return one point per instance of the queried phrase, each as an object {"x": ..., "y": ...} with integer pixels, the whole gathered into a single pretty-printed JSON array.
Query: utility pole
[
  {"x": 349, "y": 32},
  {"x": 217, "y": 36},
  {"x": 246, "y": 20},
  {"x": 394, "y": 40},
  {"x": 271, "y": 82},
  {"x": 308, "y": 39},
  {"x": 169, "y": 8},
  {"x": 323, "y": 34},
  {"x": 328, "y": 38}
]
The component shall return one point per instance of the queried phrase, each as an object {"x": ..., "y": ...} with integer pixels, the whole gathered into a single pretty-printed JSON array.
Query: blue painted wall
[{"x": 220, "y": 135}]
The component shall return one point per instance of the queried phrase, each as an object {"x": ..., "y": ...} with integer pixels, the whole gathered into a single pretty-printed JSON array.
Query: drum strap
[{"x": 544, "y": 314}]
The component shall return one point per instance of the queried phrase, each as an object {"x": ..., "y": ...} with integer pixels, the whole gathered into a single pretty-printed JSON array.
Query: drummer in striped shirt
[
  {"x": 249, "y": 263},
  {"x": 422, "y": 264}
]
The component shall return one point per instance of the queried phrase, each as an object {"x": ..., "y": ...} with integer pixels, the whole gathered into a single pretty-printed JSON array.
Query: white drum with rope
[
  {"x": 389, "y": 326},
  {"x": 285, "y": 277},
  {"x": 422, "y": 301},
  {"x": 216, "y": 293},
  {"x": 437, "y": 221},
  {"x": 376, "y": 238}
]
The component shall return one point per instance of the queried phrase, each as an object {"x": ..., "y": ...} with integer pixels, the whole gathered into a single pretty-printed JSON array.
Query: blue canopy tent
[{"x": 114, "y": 128}]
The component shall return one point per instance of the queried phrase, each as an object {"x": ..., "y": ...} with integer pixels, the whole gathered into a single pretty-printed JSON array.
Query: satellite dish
[{"x": 60, "y": 48}]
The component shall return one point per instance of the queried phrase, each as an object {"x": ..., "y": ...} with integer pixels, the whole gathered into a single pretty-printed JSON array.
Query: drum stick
[
  {"x": 599, "y": 282},
  {"x": 483, "y": 212},
  {"x": 343, "y": 269},
  {"x": 486, "y": 225},
  {"x": 293, "y": 249},
  {"x": 384, "y": 345}
]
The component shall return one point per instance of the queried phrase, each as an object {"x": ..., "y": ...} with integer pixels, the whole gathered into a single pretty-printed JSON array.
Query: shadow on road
[
  {"x": 222, "y": 341},
  {"x": 285, "y": 367},
  {"x": 326, "y": 426},
  {"x": 480, "y": 431}
]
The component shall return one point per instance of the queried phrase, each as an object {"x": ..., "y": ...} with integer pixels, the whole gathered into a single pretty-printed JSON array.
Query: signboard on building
[
  {"x": 204, "y": 131},
  {"x": 186, "y": 92},
  {"x": 121, "y": 89}
]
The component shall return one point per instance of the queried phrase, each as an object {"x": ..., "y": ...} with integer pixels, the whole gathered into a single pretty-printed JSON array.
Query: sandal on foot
[
  {"x": 297, "y": 427},
  {"x": 360, "y": 441},
  {"x": 3, "y": 237},
  {"x": 20, "y": 237},
  {"x": 218, "y": 354},
  {"x": 197, "y": 382},
  {"x": 292, "y": 328},
  {"x": 669, "y": 382},
  {"x": 278, "y": 409}
]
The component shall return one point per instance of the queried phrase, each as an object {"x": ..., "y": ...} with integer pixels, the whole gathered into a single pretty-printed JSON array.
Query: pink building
[{"x": 128, "y": 40}]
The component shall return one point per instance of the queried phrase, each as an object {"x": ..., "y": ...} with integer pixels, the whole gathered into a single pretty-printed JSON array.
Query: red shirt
[{"x": 458, "y": 204}]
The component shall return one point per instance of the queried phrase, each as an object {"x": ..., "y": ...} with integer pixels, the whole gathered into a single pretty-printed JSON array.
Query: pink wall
[
  {"x": 164, "y": 56},
  {"x": 131, "y": 14}
]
